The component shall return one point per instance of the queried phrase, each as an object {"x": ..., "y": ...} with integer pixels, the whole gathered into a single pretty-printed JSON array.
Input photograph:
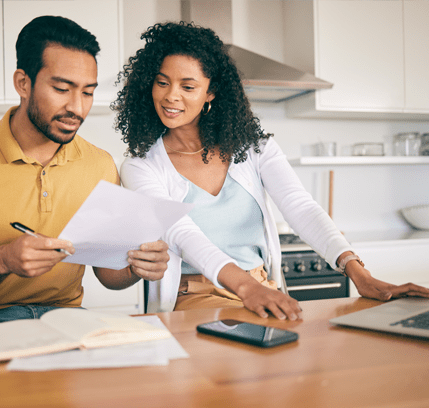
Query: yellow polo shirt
[{"x": 45, "y": 199}]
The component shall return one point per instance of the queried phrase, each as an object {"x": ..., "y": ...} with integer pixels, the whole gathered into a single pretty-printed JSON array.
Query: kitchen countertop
[
  {"x": 412, "y": 236},
  {"x": 399, "y": 236}
]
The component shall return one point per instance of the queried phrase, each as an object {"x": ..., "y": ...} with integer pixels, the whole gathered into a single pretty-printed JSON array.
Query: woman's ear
[
  {"x": 210, "y": 97},
  {"x": 22, "y": 83}
]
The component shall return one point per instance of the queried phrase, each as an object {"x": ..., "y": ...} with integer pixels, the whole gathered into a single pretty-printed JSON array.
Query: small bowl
[{"x": 417, "y": 216}]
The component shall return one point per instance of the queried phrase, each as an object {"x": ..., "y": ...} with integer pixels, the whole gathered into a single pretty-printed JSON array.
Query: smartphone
[{"x": 255, "y": 334}]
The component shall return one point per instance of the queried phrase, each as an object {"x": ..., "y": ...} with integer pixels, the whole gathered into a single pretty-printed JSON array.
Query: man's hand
[
  {"x": 28, "y": 256},
  {"x": 150, "y": 261}
]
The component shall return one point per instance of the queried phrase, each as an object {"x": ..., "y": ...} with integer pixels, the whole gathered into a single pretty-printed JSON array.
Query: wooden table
[{"x": 327, "y": 367}]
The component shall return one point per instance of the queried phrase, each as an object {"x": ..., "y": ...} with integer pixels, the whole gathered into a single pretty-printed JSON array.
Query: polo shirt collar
[{"x": 12, "y": 151}]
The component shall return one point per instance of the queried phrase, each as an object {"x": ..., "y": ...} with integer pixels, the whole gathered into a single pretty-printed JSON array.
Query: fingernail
[
  {"x": 131, "y": 253},
  {"x": 265, "y": 315},
  {"x": 282, "y": 317},
  {"x": 292, "y": 317}
]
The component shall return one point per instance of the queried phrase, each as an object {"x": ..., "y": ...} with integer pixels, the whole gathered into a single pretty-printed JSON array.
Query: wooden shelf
[{"x": 358, "y": 160}]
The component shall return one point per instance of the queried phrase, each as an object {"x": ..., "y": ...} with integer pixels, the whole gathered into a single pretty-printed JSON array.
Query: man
[{"x": 47, "y": 172}]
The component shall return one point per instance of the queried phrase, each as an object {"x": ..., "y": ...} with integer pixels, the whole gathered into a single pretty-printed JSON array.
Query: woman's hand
[
  {"x": 259, "y": 299},
  {"x": 256, "y": 297},
  {"x": 370, "y": 287}
]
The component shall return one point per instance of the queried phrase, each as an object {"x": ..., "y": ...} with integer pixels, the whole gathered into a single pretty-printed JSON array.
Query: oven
[{"x": 308, "y": 276}]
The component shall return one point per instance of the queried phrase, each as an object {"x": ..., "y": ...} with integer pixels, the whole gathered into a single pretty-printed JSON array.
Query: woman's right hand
[
  {"x": 260, "y": 299},
  {"x": 256, "y": 297}
]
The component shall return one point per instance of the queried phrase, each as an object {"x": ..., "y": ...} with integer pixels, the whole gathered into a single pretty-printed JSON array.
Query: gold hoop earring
[{"x": 208, "y": 109}]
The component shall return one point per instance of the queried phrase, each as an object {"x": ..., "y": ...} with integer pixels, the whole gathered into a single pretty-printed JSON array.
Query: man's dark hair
[{"x": 50, "y": 30}]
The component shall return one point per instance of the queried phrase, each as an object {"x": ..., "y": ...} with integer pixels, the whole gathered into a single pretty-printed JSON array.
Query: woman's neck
[{"x": 183, "y": 140}]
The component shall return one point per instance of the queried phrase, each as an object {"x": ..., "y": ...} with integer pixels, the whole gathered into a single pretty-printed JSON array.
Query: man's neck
[{"x": 32, "y": 142}]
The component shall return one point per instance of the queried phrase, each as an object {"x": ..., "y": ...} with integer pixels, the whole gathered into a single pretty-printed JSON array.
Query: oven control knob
[
  {"x": 316, "y": 266},
  {"x": 299, "y": 266},
  {"x": 285, "y": 268}
]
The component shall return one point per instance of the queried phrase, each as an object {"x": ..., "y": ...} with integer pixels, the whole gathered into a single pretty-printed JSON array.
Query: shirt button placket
[{"x": 45, "y": 199}]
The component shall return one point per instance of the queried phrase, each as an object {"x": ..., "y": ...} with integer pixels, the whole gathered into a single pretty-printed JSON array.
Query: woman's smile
[{"x": 172, "y": 112}]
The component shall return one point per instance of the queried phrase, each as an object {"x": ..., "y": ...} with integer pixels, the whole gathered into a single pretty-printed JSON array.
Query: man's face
[{"x": 62, "y": 94}]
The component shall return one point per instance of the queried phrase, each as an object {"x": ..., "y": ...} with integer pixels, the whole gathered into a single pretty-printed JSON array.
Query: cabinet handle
[{"x": 314, "y": 287}]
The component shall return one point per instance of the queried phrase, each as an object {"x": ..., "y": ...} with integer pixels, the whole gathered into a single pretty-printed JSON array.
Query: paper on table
[
  {"x": 154, "y": 352},
  {"x": 114, "y": 220}
]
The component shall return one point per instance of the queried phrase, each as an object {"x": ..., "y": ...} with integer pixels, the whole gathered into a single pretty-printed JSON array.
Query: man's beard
[{"x": 44, "y": 127}]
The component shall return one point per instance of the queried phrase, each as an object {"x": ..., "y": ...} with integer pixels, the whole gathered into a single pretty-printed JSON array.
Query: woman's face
[{"x": 179, "y": 92}]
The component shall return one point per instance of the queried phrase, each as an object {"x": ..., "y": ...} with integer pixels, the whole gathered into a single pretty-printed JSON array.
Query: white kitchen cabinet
[
  {"x": 100, "y": 17},
  {"x": 371, "y": 51},
  {"x": 416, "y": 45},
  {"x": 396, "y": 262},
  {"x": 96, "y": 296}
]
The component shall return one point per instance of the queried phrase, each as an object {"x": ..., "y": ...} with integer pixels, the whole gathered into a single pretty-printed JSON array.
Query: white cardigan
[{"x": 265, "y": 172}]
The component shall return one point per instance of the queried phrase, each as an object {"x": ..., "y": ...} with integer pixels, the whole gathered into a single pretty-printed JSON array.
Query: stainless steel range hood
[{"x": 266, "y": 80}]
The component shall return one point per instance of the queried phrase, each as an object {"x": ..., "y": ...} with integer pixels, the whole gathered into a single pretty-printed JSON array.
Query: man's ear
[{"x": 22, "y": 83}]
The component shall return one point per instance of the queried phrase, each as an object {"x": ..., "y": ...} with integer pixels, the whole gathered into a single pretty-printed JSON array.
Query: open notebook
[
  {"x": 407, "y": 316},
  {"x": 72, "y": 328}
]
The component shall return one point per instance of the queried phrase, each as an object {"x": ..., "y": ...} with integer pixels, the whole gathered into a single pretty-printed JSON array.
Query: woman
[{"x": 192, "y": 137}]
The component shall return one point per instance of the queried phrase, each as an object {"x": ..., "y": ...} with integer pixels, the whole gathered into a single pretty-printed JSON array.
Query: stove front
[{"x": 308, "y": 276}]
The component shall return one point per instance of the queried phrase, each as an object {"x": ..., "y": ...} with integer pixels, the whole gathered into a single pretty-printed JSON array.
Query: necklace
[{"x": 183, "y": 152}]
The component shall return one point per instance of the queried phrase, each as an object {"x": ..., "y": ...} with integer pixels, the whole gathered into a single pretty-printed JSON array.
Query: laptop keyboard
[{"x": 420, "y": 321}]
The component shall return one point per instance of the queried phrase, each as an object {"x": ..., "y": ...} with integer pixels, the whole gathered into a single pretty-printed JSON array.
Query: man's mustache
[{"x": 68, "y": 115}]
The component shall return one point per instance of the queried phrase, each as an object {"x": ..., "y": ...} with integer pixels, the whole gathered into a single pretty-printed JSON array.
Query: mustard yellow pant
[{"x": 197, "y": 292}]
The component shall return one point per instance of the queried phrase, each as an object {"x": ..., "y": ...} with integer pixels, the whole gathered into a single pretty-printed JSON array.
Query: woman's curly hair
[{"x": 230, "y": 125}]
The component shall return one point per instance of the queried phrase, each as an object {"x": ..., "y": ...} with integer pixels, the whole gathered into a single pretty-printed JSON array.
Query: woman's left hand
[{"x": 370, "y": 287}]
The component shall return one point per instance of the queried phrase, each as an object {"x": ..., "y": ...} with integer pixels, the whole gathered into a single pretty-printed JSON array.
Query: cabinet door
[
  {"x": 359, "y": 47},
  {"x": 416, "y": 31},
  {"x": 96, "y": 296},
  {"x": 100, "y": 17}
]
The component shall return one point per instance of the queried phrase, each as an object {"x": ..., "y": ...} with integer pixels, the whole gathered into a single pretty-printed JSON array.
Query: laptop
[{"x": 407, "y": 316}]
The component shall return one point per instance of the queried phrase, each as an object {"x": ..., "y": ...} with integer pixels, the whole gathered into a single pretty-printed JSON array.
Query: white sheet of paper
[
  {"x": 156, "y": 352},
  {"x": 114, "y": 220}
]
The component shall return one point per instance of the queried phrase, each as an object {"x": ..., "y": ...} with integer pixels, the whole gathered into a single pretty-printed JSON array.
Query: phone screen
[{"x": 255, "y": 334}]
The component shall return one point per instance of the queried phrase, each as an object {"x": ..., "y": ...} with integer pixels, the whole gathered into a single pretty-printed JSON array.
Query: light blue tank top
[{"x": 232, "y": 220}]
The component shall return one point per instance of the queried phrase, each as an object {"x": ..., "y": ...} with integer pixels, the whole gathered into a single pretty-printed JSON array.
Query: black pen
[{"x": 29, "y": 231}]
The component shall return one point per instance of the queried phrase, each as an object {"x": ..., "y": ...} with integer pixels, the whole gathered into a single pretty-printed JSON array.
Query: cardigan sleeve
[
  {"x": 184, "y": 238},
  {"x": 307, "y": 218}
]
